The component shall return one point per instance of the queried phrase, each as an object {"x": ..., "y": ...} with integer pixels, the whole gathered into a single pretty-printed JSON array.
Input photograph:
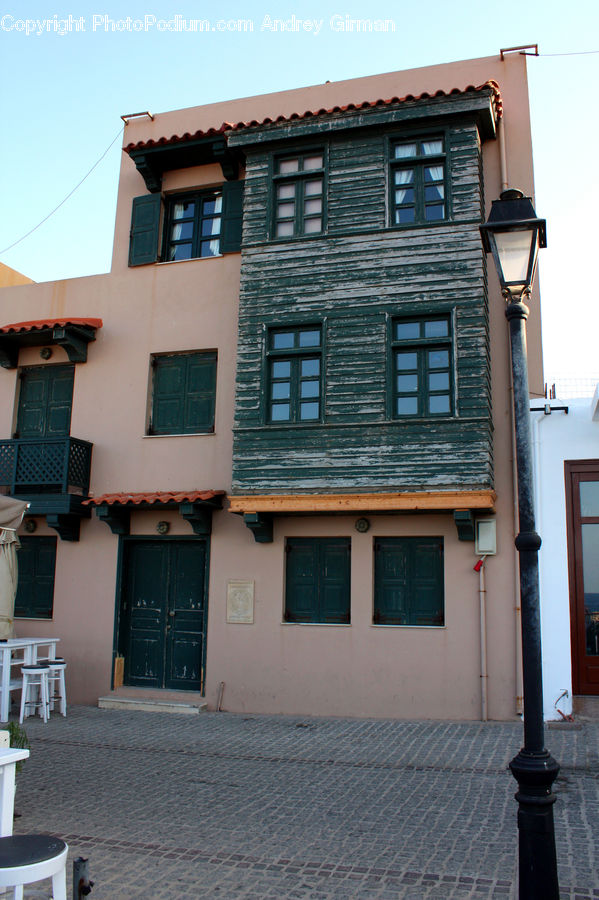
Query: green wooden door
[
  {"x": 45, "y": 401},
  {"x": 162, "y": 633}
]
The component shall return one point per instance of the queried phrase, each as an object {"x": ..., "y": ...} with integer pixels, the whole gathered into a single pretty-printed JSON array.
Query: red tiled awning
[
  {"x": 74, "y": 334},
  {"x": 42, "y": 324},
  {"x": 309, "y": 113},
  {"x": 152, "y": 498}
]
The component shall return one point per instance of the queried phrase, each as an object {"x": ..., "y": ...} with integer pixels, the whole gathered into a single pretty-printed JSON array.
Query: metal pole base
[{"x": 535, "y": 772}]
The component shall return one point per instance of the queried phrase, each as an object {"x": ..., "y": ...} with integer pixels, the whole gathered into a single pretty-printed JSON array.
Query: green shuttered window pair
[
  {"x": 183, "y": 393},
  {"x": 318, "y": 580},
  {"x": 408, "y": 581},
  {"x": 191, "y": 225}
]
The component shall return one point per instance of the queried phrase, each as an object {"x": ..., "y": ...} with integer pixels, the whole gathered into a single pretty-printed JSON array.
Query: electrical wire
[
  {"x": 70, "y": 194},
  {"x": 573, "y": 53}
]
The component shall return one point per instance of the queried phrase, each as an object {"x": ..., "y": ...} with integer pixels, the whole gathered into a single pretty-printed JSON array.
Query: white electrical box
[{"x": 485, "y": 541}]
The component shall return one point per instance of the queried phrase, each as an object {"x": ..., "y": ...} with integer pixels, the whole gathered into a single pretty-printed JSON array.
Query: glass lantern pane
[{"x": 514, "y": 250}]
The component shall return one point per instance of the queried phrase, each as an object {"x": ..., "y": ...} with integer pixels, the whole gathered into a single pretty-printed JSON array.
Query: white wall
[{"x": 558, "y": 437}]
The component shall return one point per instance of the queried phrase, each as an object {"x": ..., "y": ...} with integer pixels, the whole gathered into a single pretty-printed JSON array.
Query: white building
[{"x": 566, "y": 447}]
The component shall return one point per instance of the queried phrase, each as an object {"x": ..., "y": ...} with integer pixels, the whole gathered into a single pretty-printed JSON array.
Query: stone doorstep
[
  {"x": 585, "y": 707},
  {"x": 140, "y": 699}
]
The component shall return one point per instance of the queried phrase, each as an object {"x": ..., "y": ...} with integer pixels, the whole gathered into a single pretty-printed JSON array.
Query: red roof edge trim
[
  {"x": 366, "y": 104},
  {"x": 157, "y": 497},
  {"x": 40, "y": 324}
]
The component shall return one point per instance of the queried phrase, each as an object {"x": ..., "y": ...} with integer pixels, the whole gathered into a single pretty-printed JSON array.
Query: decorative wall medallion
[{"x": 240, "y": 602}]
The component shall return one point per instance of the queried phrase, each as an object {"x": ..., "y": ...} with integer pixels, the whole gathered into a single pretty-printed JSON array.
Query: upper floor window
[
  {"x": 299, "y": 194},
  {"x": 193, "y": 225},
  {"x": 418, "y": 186},
  {"x": 422, "y": 369},
  {"x": 294, "y": 372},
  {"x": 183, "y": 393}
]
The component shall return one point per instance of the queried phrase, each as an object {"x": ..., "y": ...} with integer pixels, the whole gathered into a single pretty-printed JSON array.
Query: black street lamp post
[{"x": 513, "y": 234}]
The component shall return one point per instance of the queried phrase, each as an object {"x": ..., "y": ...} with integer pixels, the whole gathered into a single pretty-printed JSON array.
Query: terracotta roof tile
[
  {"x": 22, "y": 327},
  {"x": 154, "y": 497},
  {"x": 309, "y": 113}
]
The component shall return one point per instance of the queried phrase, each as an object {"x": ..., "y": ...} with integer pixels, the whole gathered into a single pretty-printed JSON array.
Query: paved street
[{"x": 244, "y": 806}]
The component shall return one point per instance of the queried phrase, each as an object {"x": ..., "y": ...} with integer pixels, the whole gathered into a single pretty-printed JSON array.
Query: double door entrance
[{"x": 162, "y": 622}]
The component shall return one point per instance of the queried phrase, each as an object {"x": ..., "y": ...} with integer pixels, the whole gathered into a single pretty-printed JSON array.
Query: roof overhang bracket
[
  {"x": 261, "y": 525},
  {"x": 152, "y": 162},
  {"x": 9, "y": 354},
  {"x": 464, "y": 522},
  {"x": 118, "y": 518},
  {"x": 66, "y": 524},
  {"x": 74, "y": 339},
  {"x": 199, "y": 516}
]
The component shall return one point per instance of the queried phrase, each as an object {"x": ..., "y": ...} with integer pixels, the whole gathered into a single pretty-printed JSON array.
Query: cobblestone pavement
[{"x": 169, "y": 807}]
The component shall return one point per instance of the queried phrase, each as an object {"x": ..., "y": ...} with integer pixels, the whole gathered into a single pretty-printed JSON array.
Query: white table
[
  {"x": 30, "y": 648},
  {"x": 8, "y": 759}
]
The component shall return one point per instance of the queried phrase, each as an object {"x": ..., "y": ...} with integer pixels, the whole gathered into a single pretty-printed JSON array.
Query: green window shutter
[
  {"x": 318, "y": 580},
  {"x": 37, "y": 562},
  {"x": 184, "y": 393},
  {"x": 232, "y": 223},
  {"x": 168, "y": 397},
  {"x": 145, "y": 230},
  {"x": 201, "y": 392},
  {"x": 408, "y": 579},
  {"x": 335, "y": 575}
]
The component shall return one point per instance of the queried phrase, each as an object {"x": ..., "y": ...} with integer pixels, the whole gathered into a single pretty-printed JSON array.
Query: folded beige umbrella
[{"x": 11, "y": 516}]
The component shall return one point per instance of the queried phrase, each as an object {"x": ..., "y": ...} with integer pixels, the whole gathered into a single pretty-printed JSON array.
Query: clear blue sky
[{"x": 62, "y": 96}]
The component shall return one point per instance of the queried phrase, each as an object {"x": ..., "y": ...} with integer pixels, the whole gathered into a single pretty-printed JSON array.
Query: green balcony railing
[{"x": 45, "y": 465}]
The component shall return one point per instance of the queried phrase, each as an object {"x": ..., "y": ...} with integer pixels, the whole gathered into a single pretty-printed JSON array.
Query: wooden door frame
[
  {"x": 571, "y": 468},
  {"x": 124, "y": 540}
]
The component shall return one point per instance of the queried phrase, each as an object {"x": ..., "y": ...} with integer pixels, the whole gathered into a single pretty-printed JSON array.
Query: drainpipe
[
  {"x": 482, "y": 598},
  {"x": 502, "y": 153}
]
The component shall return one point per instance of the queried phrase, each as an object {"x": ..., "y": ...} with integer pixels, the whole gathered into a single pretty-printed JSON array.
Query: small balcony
[{"x": 53, "y": 473}]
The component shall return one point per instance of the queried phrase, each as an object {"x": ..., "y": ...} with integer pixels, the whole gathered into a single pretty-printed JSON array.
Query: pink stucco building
[{"x": 258, "y": 450}]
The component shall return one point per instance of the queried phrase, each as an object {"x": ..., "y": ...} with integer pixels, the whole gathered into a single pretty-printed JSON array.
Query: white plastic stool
[
  {"x": 35, "y": 682},
  {"x": 56, "y": 685},
  {"x": 25, "y": 858}
]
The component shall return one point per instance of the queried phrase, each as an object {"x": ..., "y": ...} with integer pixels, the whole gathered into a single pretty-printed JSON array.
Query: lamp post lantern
[{"x": 514, "y": 234}]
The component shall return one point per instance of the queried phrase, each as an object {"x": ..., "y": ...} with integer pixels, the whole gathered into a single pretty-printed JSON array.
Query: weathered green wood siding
[{"x": 354, "y": 279}]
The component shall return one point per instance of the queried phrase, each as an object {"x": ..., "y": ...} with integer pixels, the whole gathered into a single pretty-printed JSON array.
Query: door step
[
  {"x": 585, "y": 707},
  {"x": 143, "y": 700}
]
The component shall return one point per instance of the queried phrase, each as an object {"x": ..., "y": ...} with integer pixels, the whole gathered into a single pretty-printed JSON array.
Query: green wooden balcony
[{"x": 45, "y": 466}]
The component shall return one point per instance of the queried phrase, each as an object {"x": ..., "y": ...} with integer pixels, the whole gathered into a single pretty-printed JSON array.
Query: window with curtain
[
  {"x": 298, "y": 189},
  {"x": 418, "y": 182},
  {"x": 193, "y": 225},
  {"x": 422, "y": 367}
]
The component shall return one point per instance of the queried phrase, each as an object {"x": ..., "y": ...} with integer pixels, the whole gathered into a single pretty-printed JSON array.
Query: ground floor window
[
  {"x": 35, "y": 592},
  {"x": 317, "y": 580},
  {"x": 408, "y": 581}
]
